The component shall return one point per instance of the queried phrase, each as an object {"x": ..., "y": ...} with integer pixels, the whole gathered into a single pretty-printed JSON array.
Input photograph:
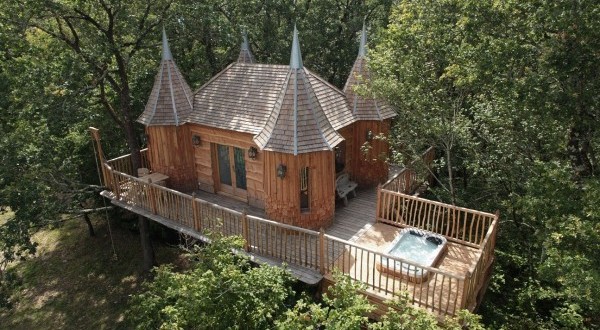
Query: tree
[
  {"x": 105, "y": 38},
  {"x": 520, "y": 72},
  {"x": 221, "y": 290}
]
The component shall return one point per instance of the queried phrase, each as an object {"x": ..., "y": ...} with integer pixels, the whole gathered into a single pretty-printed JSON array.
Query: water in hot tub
[{"x": 416, "y": 248}]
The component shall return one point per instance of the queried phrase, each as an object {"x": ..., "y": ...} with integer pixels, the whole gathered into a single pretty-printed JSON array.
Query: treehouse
[
  {"x": 274, "y": 136},
  {"x": 263, "y": 151}
]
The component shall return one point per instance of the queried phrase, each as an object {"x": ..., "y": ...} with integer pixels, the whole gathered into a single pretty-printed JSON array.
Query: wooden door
[{"x": 231, "y": 170}]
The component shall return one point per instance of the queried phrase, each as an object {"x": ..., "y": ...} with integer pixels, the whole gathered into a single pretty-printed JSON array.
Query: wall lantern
[
  {"x": 196, "y": 140},
  {"x": 281, "y": 169},
  {"x": 369, "y": 135},
  {"x": 252, "y": 153}
]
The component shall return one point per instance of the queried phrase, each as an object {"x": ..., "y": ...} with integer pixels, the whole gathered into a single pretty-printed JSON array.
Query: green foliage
[
  {"x": 505, "y": 90},
  {"x": 342, "y": 308},
  {"x": 220, "y": 291}
]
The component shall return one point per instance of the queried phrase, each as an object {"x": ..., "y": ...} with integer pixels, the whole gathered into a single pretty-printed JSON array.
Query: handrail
[
  {"x": 450, "y": 206},
  {"x": 395, "y": 258},
  {"x": 409, "y": 172},
  {"x": 312, "y": 249},
  {"x": 124, "y": 156}
]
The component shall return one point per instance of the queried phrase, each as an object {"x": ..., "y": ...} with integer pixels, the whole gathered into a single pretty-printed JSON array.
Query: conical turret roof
[
  {"x": 364, "y": 108},
  {"x": 171, "y": 100},
  {"x": 246, "y": 55},
  {"x": 297, "y": 124}
]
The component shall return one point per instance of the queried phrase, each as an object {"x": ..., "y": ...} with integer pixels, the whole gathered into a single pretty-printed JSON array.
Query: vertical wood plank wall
[
  {"x": 170, "y": 152},
  {"x": 205, "y": 163},
  {"x": 371, "y": 168},
  {"x": 348, "y": 134},
  {"x": 282, "y": 196}
]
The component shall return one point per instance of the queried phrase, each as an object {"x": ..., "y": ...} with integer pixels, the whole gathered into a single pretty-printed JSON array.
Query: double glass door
[{"x": 232, "y": 170}]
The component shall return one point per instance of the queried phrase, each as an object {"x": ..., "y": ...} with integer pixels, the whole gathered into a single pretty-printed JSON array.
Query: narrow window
[
  {"x": 304, "y": 201},
  {"x": 340, "y": 157}
]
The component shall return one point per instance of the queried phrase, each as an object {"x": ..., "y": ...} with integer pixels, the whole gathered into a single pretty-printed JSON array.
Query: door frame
[{"x": 225, "y": 189}]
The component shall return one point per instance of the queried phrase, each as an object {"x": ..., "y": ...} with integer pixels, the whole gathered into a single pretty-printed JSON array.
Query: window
[
  {"x": 304, "y": 184},
  {"x": 340, "y": 157}
]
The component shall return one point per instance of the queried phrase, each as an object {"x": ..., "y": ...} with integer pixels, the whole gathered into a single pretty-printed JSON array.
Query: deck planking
[
  {"x": 354, "y": 223},
  {"x": 456, "y": 260}
]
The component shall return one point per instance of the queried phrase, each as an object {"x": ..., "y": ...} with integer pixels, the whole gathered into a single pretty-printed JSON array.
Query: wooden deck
[
  {"x": 349, "y": 222},
  {"x": 457, "y": 259},
  {"x": 355, "y": 243}
]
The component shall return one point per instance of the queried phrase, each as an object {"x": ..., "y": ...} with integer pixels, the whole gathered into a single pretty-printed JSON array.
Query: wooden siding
[
  {"x": 203, "y": 157},
  {"x": 348, "y": 134},
  {"x": 283, "y": 194},
  {"x": 170, "y": 152},
  {"x": 370, "y": 168}
]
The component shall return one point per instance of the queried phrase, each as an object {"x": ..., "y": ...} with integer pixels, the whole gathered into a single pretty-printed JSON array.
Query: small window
[
  {"x": 340, "y": 157},
  {"x": 304, "y": 184}
]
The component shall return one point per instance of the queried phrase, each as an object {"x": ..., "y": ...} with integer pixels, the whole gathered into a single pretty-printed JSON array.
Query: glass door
[{"x": 232, "y": 170}]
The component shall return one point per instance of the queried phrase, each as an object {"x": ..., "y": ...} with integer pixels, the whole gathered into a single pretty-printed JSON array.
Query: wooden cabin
[
  {"x": 256, "y": 152},
  {"x": 273, "y": 136}
]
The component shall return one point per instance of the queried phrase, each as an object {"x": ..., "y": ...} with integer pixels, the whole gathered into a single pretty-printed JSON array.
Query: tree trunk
[
  {"x": 450, "y": 176},
  {"x": 136, "y": 162},
  {"x": 89, "y": 224},
  {"x": 578, "y": 149},
  {"x": 147, "y": 250}
]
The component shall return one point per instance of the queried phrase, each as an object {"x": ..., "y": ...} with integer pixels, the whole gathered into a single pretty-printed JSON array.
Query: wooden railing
[
  {"x": 441, "y": 293},
  {"x": 476, "y": 277},
  {"x": 444, "y": 293},
  {"x": 462, "y": 225},
  {"x": 123, "y": 164},
  {"x": 410, "y": 177}
]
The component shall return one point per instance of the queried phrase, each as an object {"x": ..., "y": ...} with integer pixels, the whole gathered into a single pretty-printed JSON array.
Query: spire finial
[
  {"x": 362, "y": 51},
  {"x": 166, "y": 52},
  {"x": 245, "y": 45},
  {"x": 296, "y": 57}
]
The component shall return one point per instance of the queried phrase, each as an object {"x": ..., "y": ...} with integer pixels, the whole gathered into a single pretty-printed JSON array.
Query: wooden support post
[
  {"x": 322, "y": 251},
  {"x": 195, "y": 213},
  {"x": 377, "y": 210},
  {"x": 151, "y": 196},
  {"x": 466, "y": 292},
  {"x": 95, "y": 133},
  {"x": 117, "y": 185},
  {"x": 245, "y": 232}
]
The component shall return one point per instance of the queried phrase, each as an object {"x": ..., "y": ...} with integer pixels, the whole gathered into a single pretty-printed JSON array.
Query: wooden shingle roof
[
  {"x": 297, "y": 124},
  {"x": 170, "y": 102},
  {"x": 259, "y": 99},
  {"x": 364, "y": 108}
]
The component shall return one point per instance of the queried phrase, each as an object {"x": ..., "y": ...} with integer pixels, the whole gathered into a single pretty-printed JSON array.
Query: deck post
[
  {"x": 245, "y": 232},
  {"x": 378, "y": 203},
  {"x": 151, "y": 196},
  {"x": 466, "y": 290},
  {"x": 195, "y": 213},
  {"x": 116, "y": 183},
  {"x": 322, "y": 251}
]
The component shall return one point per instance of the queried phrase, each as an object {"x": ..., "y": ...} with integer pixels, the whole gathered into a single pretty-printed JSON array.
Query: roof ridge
[
  {"x": 169, "y": 100},
  {"x": 310, "y": 92},
  {"x": 274, "y": 113}
]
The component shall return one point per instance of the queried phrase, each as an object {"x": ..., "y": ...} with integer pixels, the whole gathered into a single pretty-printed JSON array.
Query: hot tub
[{"x": 419, "y": 247}]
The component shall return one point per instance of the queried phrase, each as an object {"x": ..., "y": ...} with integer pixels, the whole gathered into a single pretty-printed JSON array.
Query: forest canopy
[{"x": 507, "y": 91}]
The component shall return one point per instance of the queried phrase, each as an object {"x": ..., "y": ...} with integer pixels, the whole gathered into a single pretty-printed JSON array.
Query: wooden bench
[{"x": 343, "y": 186}]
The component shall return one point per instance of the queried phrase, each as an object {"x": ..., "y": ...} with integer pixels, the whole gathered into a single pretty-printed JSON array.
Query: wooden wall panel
[
  {"x": 348, "y": 134},
  {"x": 371, "y": 168},
  {"x": 170, "y": 152},
  {"x": 282, "y": 196},
  {"x": 204, "y": 162}
]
